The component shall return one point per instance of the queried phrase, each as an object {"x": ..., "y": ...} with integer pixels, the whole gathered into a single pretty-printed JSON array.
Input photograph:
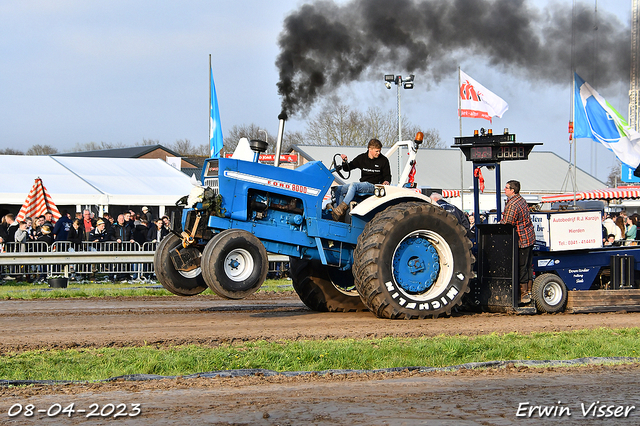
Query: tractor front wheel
[
  {"x": 177, "y": 282},
  {"x": 234, "y": 264}
]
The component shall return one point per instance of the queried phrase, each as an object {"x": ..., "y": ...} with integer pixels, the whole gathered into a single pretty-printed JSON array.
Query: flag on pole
[
  {"x": 476, "y": 101},
  {"x": 595, "y": 118},
  {"x": 38, "y": 202},
  {"x": 216, "y": 141}
]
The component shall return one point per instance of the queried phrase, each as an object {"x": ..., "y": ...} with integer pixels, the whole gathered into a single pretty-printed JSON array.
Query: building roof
[
  {"x": 192, "y": 171},
  {"x": 196, "y": 161},
  {"x": 129, "y": 152}
]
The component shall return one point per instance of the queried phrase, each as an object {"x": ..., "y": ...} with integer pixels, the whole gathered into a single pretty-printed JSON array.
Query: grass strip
[
  {"x": 24, "y": 291},
  {"x": 97, "y": 364}
]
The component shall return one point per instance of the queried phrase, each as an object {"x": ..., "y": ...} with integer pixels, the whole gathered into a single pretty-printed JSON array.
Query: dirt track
[
  {"x": 466, "y": 397},
  {"x": 31, "y": 324}
]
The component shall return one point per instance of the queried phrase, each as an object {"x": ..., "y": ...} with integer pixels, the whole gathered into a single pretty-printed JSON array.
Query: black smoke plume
[{"x": 324, "y": 45}]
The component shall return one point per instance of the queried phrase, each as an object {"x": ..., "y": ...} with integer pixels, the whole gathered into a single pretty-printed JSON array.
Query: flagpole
[
  {"x": 461, "y": 159},
  {"x": 573, "y": 100},
  {"x": 210, "y": 100},
  {"x": 575, "y": 142}
]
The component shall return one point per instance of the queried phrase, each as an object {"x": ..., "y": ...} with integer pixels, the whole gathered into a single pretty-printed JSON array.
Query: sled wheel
[
  {"x": 549, "y": 293},
  {"x": 413, "y": 260},
  {"x": 234, "y": 264},
  {"x": 324, "y": 289},
  {"x": 177, "y": 282}
]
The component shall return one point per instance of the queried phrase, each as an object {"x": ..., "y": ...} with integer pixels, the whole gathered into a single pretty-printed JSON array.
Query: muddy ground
[{"x": 486, "y": 397}]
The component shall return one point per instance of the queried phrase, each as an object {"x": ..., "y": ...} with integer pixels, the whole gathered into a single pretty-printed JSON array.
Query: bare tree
[
  {"x": 335, "y": 125},
  {"x": 432, "y": 138},
  {"x": 87, "y": 146},
  {"x": 614, "y": 176},
  {"x": 93, "y": 146},
  {"x": 38, "y": 149},
  {"x": 202, "y": 150},
  {"x": 383, "y": 125},
  {"x": 249, "y": 131},
  {"x": 148, "y": 142},
  {"x": 338, "y": 125},
  {"x": 182, "y": 147},
  {"x": 290, "y": 139},
  {"x": 11, "y": 151},
  {"x": 185, "y": 148}
]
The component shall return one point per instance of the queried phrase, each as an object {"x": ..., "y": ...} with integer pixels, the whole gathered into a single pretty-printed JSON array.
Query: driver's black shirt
[{"x": 374, "y": 171}]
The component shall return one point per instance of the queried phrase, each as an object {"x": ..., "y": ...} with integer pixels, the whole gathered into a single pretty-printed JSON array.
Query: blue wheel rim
[{"x": 416, "y": 264}]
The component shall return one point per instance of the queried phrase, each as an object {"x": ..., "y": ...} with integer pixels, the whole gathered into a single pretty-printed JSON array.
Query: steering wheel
[{"x": 338, "y": 168}]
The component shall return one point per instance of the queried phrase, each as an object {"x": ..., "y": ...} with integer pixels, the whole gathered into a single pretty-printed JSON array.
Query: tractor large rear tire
[
  {"x": 234, "y": 264},
  {"x": 324, "y": 289},
  {"x": 413, "y": 260},
  {"x": 177, "y": 282}
]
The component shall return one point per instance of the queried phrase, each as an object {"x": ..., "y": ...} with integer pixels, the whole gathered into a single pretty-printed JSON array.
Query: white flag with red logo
[{"x": 478, "y": 102}]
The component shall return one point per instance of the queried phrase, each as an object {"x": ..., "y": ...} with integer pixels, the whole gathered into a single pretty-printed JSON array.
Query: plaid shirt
[{"x": 516, "y": 213}]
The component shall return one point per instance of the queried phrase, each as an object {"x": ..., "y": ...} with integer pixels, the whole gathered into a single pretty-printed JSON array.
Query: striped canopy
[
  {"x": 38, "y": 202},
  {"x": 450, "y": 193},
  {"x": 601, "y": 194}
]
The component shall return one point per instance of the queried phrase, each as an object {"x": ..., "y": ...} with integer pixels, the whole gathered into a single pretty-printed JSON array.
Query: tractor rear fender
[{"x": 393, "y": 195}]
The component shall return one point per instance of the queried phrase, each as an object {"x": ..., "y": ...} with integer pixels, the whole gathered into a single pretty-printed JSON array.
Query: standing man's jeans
[
  {"x": 525, "y": 264},
  {"x": 345, "y": 193}
]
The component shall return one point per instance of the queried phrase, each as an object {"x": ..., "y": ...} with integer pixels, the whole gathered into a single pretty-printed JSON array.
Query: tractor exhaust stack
[{"x": 282, "y": 117}]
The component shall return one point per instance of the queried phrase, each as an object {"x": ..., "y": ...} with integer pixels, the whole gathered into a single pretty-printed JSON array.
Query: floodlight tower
[{"x": 407, "y": 83}]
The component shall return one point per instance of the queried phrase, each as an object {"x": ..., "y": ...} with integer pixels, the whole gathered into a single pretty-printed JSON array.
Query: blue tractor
[{"x": 396, "y": 254}]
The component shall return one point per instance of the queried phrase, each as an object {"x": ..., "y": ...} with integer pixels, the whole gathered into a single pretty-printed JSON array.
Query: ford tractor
[{"x": 396, "y": 253}]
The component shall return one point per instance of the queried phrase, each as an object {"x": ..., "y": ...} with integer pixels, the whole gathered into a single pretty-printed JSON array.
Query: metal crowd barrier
[{"x": 37, "y": 260}]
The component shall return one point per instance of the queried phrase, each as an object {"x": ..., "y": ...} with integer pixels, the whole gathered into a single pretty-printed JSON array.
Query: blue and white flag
[
  {"x": 216, "y": 141},
  {"x": 595, "y": 118}
]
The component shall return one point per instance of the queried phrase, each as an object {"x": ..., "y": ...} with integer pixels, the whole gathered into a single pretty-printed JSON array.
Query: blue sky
[{"x": 76, "y": 71}]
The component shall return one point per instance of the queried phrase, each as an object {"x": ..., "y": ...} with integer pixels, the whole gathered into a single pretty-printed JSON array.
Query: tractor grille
[{"x": 213, "y": 184}]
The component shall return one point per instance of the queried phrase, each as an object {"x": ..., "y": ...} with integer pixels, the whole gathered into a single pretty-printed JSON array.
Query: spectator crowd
[
  {"x": 128, "y": 226},
  {"x": 620, "y": 229}
]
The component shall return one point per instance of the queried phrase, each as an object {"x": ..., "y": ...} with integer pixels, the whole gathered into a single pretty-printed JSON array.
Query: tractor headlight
[{"x": 379, "y": 191}]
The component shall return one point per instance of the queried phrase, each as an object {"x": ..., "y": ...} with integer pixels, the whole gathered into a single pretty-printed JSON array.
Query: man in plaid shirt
[{"x": 516, "y": 213}]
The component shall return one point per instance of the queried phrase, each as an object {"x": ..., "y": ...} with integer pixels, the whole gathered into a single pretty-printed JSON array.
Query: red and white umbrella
[{"x": 38, "y": 202}]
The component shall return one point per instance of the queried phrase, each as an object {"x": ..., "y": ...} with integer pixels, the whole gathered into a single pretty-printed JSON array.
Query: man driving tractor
[{"x": 375, "y": 170}]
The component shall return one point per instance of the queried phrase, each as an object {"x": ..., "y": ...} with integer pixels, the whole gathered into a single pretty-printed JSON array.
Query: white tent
[{"x": 82, "y": 181}]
